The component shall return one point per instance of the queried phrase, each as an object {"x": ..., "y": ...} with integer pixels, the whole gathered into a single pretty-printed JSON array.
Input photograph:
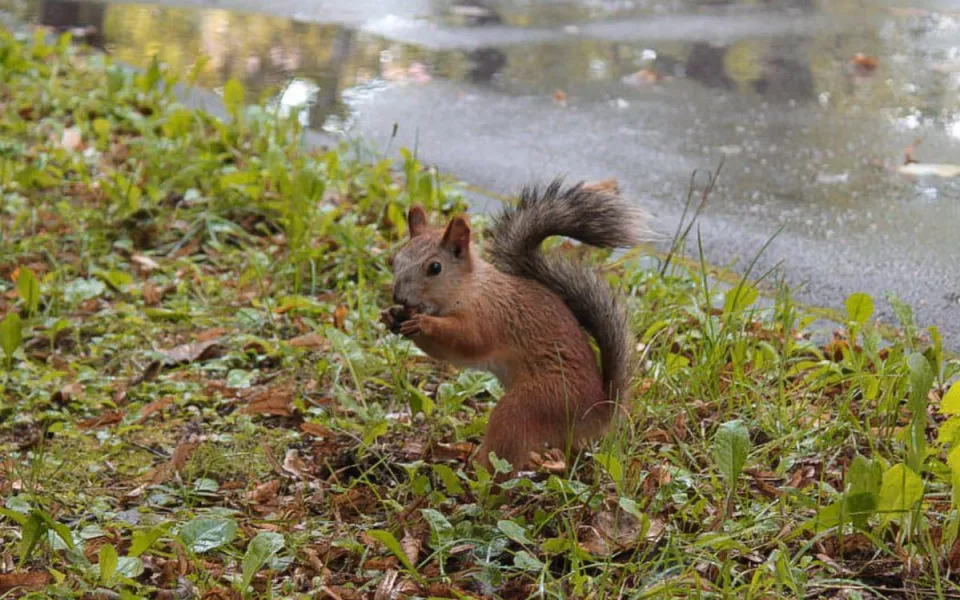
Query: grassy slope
[{"x": 202, "y": 401}]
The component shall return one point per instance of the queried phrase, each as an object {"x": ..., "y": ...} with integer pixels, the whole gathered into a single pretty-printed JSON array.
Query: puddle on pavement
[
  {"x": 327, "y": 65},
  {"x": 783, "y": 61},
  {"x": 814, "y": 133}
]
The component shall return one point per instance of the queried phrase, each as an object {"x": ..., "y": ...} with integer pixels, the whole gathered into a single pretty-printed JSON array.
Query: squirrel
[{"x": 522, "y": 314}]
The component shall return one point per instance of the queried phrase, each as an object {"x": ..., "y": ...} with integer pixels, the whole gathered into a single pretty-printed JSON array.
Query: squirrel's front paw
[
  {"x": 394, "y": 317},
  {"x": 414, "y": 326}
]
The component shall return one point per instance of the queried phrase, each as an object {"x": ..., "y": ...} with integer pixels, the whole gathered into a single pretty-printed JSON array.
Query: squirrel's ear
[
  {"x": 456, "y": 237},
  {"x": 417, "y": 220}
]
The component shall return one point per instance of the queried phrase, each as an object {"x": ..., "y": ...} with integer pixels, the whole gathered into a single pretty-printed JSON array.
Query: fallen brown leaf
[
  {"x": 27, "y": 580},
  {"x": 953, "y": 558},
  {"x": 68, "y": 393},
  {"x": 336, "y": 592},
  {"x": 340, "y": 316},
  {"x": 212, "y": 334},
  {"x": 104, "y": 419},
  {"x": 459, "y": 451},
  {"x": 188, "y": 353},
  {"x": 315, "y": 429},
  {"x": 272, "y": 459},
  {"x": 149, "y": 374},
  {"x": 178, "y": 460},
  {"x": 181, "y": 454},
  {"x": 145, "y": 263},
  {"x": 151, "y": 295},
  {"x": 658, "y": 477},
  {"x": 834, "y": 565},
  {"x": 411, "y": 547},
  {"x": 265, "y": 493},
  {"x": 660, "y": 436},
  {"x": 310, "y": 341},
  {"x": 294, "y": 465},
  {"x": 413, "y": 449},
  {"x": 802, "y": 477},
  {"x": 274, "y": 401},
  {"x": 765, "y": 488},
  {"x": 614, "y": 530},
  {"x": 393, "y": 586},
  {"x": 153, "y": 407},
  {"x": 183, "y": 591}
]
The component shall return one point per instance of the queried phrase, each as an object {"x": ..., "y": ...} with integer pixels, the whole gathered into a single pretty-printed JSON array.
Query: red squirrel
[{"x": 521, "y": 314}]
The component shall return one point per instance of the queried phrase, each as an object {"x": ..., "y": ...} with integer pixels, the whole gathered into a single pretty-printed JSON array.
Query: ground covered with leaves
[{"x": 197, "y": 399}]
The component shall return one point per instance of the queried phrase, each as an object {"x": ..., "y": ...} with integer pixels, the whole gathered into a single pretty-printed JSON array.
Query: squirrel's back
[{"x": 593, "y": 214}]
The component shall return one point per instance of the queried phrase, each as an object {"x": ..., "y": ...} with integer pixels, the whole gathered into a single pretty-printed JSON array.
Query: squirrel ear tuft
[
  {"x": 456, "y": 237},
  {"x": 417, "y": 220}
]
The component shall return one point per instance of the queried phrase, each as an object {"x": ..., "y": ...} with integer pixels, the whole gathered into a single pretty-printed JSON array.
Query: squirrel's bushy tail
[{"x": 593, "y": 214}]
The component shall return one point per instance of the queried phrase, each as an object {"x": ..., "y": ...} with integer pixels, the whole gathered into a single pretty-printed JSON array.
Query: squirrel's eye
[{"x": 434, "y": 268}]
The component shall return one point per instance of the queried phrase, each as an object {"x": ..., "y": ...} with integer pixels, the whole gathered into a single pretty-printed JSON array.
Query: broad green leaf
[
  {"x": 499, "y": 465},
  {"x": 240, "y": 379},
  {"x": 374, "y": 430},
  {"x": 953, "y": 460},
  {"x": 676, "y": 362},
  {"x": 10, "y": 333},
  {"x": 514, "y": 531},
  {"x": 101, "y": 127},
  {"x": 950, "y": 405},
  {"x": 827, "y": 517},
  {"x": 440, "y": 528},
  {"x": 902, "y": 488},
  {"x": 129, "y": 567},
  {"x": 116, "y": 278},
  {"x": 260, "y": 550},
  {"x": 92, "y": 532},
  {"x": 206, "y": 533},
  {"x": 630, "y": 506},
  {"x": 921, "y": 380},
  {"x": 739, "y": 298},
  {"x": 62, "y": 530},
  {"x": 29, "y": 290},
  {"x": 108, "y": 562},
  {"x": 33, "y": 531},
  {"x": 731, "y": 445},
  {"x": 13, "y": 515},
  {"x": 143, "y": 539},
  {"x": 233, "y": 97},
  {"x": 611, "y": 465},
  {"x": 948, "y": 431},
  {"x": 79, "y": 290},
  {"x": 390, "y": 541},
  {"x": 564, "y": 545},
  {"x": 859, "y": 308},
  {"x": 419, "y": 402},
  {"x": 449, "y": 479},
  {"x": 525, "y": 561},
  {"x": 870, "y": 386},
  {"x": 863, "y": 489}
]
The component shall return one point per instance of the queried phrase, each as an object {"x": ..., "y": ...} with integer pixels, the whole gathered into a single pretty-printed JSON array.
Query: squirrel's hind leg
[{"x": 529, "y": 417}]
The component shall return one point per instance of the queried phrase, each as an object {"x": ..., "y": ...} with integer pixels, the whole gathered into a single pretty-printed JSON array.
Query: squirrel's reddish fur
[{"x": 522, "y": 315}]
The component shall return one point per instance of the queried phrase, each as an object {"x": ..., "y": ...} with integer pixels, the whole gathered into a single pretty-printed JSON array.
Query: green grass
[{"x": 197, "y": 400}]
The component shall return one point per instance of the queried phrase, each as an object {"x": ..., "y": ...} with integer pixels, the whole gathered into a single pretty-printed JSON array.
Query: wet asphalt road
[{"x": 811, "y": 141}]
